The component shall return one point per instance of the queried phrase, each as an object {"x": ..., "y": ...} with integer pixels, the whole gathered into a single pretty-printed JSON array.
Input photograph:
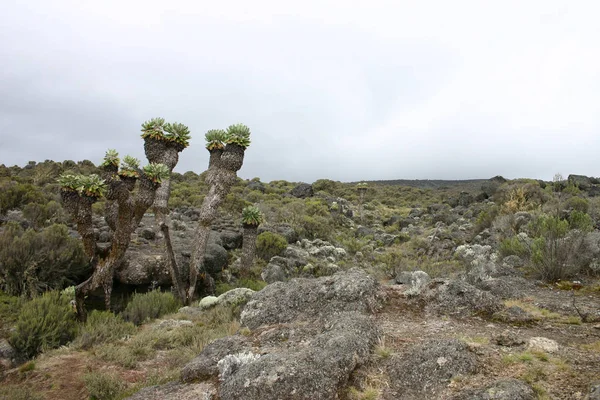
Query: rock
[
  {"x": 508, "y": 389},
  {"x": 302, "y": 191},
  {"x": 515, "y": 315},
  {"x": 208, "y": 302},
  {"x": 142, "y": 269},
  {"x": 393, "y": 220},
  {"x": 594, "y": 393},
  {"x": 147, "y": 234},
  {"x": 465, "y": 199},
  {"x": 231, "y": 239},
  {"x": 513, "y": 261},
  {"x": 508, "y": 339},
  {"x": 256, "y": 185},
  {"x": 456, "y": 297},
  {"x": 215, "y": 258},
  {"x": 296, "y": 256},
  {"x": 233, "y": 297},
  {"x": 177, "y": 391},
  {"x": 204, "y": 366},
  {"x": 581, "y": 181},
  {"x": 274, "y": 273},
  {"x": 351, "y": 290},
  {"x": 104, "y": 237},
  {"x": 426, "y": 369},
  {"x": 315, "y": 369},
  {"x": 8, "y": 355},
  {"x": 284, "y": 230},
  {"x": 363, "y": 231},
  {"x": 231, "y": 363},
  {"x": 385, "y": 238},
  {"x": 415, "y": 281},
  {"x": 543, "y": 344}
]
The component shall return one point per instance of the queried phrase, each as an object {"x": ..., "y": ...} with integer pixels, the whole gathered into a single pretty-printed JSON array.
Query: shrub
[
  {"x": 151, "y": 305},
  {"x": 104, "y": 386},
  {"x": 101, "y": 327},
  {"x": 512, "y": 246},
  {"x": 578, "y": 203},
  {"x": 45, "y": 322},
  {"x": 33, "y": 262},
  {"x": 9, "y": 312},
  {"x": 581, "y": 221},
  {"x": 269, "y": 244}
]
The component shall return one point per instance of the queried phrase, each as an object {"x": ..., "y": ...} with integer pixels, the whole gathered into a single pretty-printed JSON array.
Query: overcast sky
[{"x": 379, "y": 90}]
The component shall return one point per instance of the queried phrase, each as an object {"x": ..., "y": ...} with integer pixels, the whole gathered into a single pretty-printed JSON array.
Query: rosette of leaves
[
  {"x": 238, "y": 134},
  {"x": 154, "y": 129},
  {"x": 129, "y": 167},
  {"x": 362, "y": 186},
  {"x": 69, "y": 182},
  {"x": 215, "y": 139},
  {"x": 177, "y": 133},
  {"x": 91, "y": 186},
  {"x": 111, "y": 158},
  {"x": 156, "y": 172},
  {"x": 251, "y": 215}
]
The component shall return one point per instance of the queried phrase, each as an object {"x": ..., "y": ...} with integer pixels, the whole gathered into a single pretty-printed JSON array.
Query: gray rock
[
  {"x": 302, "y": 191},
  {"x": 515, "y": 315},
  {"x": 508, "y": 339},
  {"x": 254, "y": 185},
  {"x": 508, "y": 389},
  {"x": 456, "y": 297},
  {"x": 415, "y": 281},
  {"x": 297, "y": 256},
  {"x": 274, "y": 273},
  {"x": 513, "y": 261},
  {"x": 363, "y": 231},
  {"x": 231, "y": 363},
  {"x": 8, "y": 355},
  {"x": 594, "y": 393},
  {"x": 231, "y": 239},
  {"x": 235, "y": 297},
  {"x": 177, "y": 391},
  {"x": 147, "y": 234},
  {"x": 315, "y": 369},
  {"x": 204, "y": 366},
  {"x": 141, "y": 269},
  {"x": 351, "y": 290},
  {"x": 215, "y": 258},
  {"x": 207, "y": 302},
  {"x": 581, "y": 181},
  {"x": 170, "y": 324},
  {"x": 543, "y": 344},
  {"x": 426, "y": 369}
]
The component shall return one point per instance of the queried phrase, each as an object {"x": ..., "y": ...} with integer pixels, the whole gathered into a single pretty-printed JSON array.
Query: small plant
[
  {"x": 157, "y": 172},
  {"x": 44, "y": 323},
  {"x": 153, "y": 129},
  {"x": 238, "y": 134},
  {"x": 102, "y": 327},
  {"x": 215, "y": 139},
  {"x": 27, "y": 367},
  {"x": 111, "y": 158},
  {"x": 104, "y": 386},
  {"x": 129, "y": 167},
  {"x": 178, "y": 133},
  {"x": 269, "y": 244},
  {"x": 151, "y": 305},
  {"x": 251, "y": 215}
]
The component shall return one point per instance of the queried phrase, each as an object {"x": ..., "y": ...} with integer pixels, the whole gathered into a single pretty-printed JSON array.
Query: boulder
[
  {"x": 215, "y": 258},
  {"x": 414, "y": 281},
  {"x": 507, "y": 389},
  {"x": 256, "y": 185},
  {"x": 204, "y": 366},
  {"x": 274, "y": 273},
  {"x": 426, "y": 369},
  {"x": 302, "y": 191},
  {"x": 581, "y": 181},
  {"x": 457, "y": 297},
  {"x": 543, "y": 344},
  {"x": 233, "y": 297},
  {"x": 177, "y": 391},
  {"x": 231, "y": 239}
]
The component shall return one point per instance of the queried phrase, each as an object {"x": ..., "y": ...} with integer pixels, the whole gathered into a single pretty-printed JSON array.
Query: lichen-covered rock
[
  {"x": 457, "y": 297},
  {"x": 177, "y": 391},
  {"x": 426, "y": 369},
  {"x": 508, "y": 389},
  {"x": 351, "y": 290},
  {"x": 274, "y": 273},
  {"x": 204, "y": 366},
  {"x": 415, "y": 281},
  {"x": 8, "y": 355},
  {"x": 543, "y": 344},
  {"x": 302, "y": 191}
]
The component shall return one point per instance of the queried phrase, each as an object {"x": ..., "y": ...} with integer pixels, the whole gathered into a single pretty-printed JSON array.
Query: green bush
[
  {"x": 101, "y": 327},
  {"x": 580, "y": 220},
  {"x": 33, "y": 262},
  {"x": 151, "y": 305},
  {"x": 45, "y": 322},
  {"x": 512, "y": 246},
  {"x": 9, "y": 312},
  {"x": 269, "y": 244},
  {"x": 104, "y": 386},
  {"x": 578, "y": 203}
]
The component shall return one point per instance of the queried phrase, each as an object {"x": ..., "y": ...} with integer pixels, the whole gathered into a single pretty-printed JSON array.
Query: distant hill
[{"x": 466, "y": 184}]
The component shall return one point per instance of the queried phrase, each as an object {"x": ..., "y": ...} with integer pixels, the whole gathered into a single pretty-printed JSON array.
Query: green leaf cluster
[
  {"x": 157, "y": 172},
  {"x": 175, "y": 132},
  {"x": 215, "y": 139},
  {"x": 251, "y": 215},
  {"x": 85, "y": 185},
  {"x": 111, "y": 158},
  {"x": 238, "y": 134},
  {"x": 129, "y": 167}
]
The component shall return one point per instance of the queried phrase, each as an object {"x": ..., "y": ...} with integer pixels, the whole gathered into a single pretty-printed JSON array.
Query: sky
[{"x": 363, "y": 90}]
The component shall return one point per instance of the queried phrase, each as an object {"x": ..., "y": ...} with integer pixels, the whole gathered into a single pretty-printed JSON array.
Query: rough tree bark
[{"x": 248, "y": 248}]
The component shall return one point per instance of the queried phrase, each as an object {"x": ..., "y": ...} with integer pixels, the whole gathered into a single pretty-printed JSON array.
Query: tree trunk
[{"x": 248, "y": 248}]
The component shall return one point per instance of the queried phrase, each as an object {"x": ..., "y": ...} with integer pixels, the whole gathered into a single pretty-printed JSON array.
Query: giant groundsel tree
[
  {"x": 252, "y": 217},
  {"x": 129, "y": 191}
]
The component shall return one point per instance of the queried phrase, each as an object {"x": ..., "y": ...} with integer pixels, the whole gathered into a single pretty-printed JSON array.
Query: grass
[
  {"x": 594, "y": 347},
  {"x": 537, "y": 312},
  {"x": 368, "y": 393}
]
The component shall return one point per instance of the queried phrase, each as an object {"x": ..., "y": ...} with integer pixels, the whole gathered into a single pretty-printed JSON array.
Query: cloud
[{"x": 381, "y": 90}]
